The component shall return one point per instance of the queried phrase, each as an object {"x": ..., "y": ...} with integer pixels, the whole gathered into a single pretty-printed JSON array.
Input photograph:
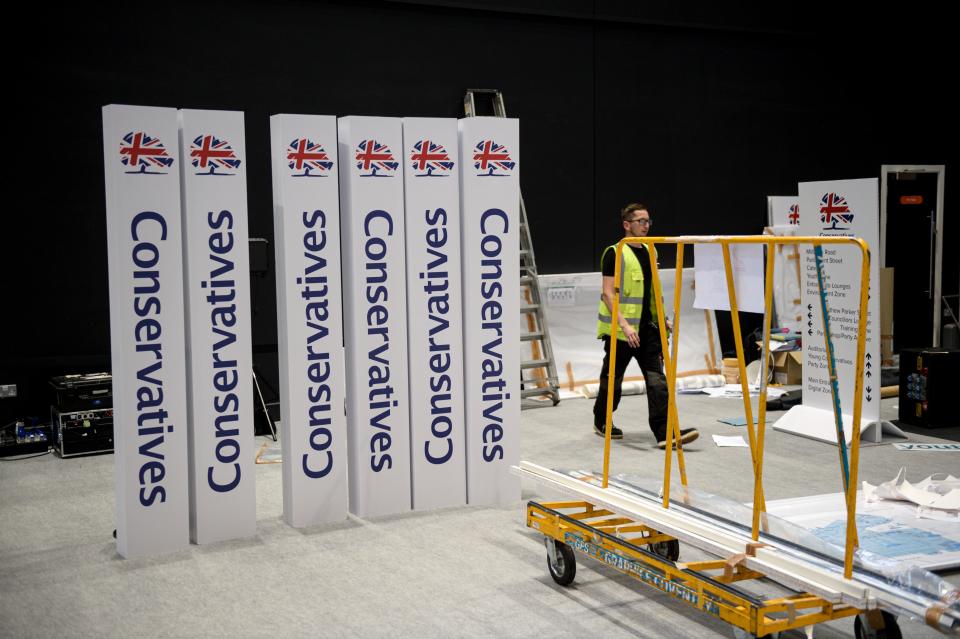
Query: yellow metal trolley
[{"x": 652, "y": 557}]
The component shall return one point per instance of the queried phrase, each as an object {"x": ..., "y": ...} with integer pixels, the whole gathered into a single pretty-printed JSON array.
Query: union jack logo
[
  {"x": 794, "y": 215},
  {"x": 305, "y": 155},
  {"x": 834, "y": 211},
  {"x": 373, "y": 156},
  {"x": 429, "y": 156},
  {"x": 140, "y": 152},
  {"x": 492, "y": 159},
  {"x": 210, "y": 154}
]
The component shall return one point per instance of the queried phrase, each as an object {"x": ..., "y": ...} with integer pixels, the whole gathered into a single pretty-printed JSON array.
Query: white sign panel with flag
[
  {"x": 219, "y": 348},
  {"x": 840, "y": 208},
  {"x": 783, "y": 210},
  {"x": 306, "y": 222},
  {"x": 783, "y": 218},
  {"x": 490, "y": 209},
  {"x": 375, "y": 314},
  {"x": 142, "y": 175}
]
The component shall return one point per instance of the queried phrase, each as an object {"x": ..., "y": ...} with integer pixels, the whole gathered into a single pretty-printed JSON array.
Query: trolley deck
[{"x": 651, "y": 557}]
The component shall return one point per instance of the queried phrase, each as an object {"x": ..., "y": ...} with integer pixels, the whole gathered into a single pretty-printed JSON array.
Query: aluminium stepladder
[{"x": 541, "y": 366}]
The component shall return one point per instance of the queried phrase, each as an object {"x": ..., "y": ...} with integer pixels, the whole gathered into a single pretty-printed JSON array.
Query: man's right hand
[{"x": 633, "y": 339}]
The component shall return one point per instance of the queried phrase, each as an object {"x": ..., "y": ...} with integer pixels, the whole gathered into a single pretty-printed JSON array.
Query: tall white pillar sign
[
  {"x": 306, "y": 222},
  {"x": 435, "y": 312},
  {"x": 490, "y": 214},
  {"x": 219, "y": 356},
  {"x": 375, "y": 314},
  {"x": 142, "y": 175}
]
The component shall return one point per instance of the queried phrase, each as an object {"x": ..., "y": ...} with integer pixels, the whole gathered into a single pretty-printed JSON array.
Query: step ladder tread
[
  {"x": 535, "y": 392},
  {"x": 535, "y": 363}
]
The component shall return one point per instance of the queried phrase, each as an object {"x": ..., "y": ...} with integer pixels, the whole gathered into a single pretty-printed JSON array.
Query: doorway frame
[{"x": 940, "y": 170}]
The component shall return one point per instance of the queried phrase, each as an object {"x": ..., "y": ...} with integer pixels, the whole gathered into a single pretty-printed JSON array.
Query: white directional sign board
[{"x": 839, "y": 208}]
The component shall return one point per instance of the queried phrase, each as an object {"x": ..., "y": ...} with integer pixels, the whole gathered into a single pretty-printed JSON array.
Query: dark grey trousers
[{"x": 648, "y": 357}]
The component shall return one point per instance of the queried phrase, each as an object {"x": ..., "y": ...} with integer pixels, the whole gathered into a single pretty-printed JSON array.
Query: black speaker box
[{"x": 929, "y": 384}]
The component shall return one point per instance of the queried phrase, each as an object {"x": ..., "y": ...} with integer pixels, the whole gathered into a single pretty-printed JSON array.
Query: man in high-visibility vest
[{"x": 638, "y": 332}]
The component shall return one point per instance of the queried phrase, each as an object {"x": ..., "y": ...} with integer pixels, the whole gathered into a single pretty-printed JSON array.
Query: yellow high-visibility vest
[{"x": 631, "y": 294}]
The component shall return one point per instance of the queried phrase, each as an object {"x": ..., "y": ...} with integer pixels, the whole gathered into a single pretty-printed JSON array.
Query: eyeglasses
[{"x": 642, "y": 221}]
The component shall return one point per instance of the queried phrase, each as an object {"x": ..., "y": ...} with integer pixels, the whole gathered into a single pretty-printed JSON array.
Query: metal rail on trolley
[{"x": 642, "y": 539}]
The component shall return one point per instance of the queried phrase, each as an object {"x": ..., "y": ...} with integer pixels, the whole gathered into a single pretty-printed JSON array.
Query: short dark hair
[{"x": 626, "y": 214}]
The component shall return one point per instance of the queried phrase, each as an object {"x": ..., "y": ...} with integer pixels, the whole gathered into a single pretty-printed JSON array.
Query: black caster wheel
[
  {"x": 667, "y": 549},
  {"x": 561, "y": 561},
  {"x": 883, "y": 626},
  {"x": 739, "y": 633}
]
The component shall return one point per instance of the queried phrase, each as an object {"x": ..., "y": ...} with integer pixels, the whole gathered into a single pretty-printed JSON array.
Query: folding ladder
[{"x": 542, "y": 370}]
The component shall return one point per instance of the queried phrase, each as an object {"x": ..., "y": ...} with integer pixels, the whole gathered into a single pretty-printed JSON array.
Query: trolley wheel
[
  {"x": 740, "y": 633},
  {"x": 562, "y": 563},
  {"x": 666, "y": 549},
  {"x": 862, "y": 628}
]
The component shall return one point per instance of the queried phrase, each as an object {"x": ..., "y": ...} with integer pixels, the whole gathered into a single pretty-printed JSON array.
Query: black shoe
[
  {"x": 615, "y": 433},
  {"x": 687, "y": 435}
]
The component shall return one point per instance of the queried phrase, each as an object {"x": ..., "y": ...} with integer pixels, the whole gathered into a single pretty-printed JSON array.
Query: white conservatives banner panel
[
  {"x": 839, "y": 208},
  {"x": 435, "y": 312},
  {"x": 141, "y": 170},
  {"x": 375, "y": 314},
  {"x": 490, "y": 210},
  {"x": 217, "y": 295},
  {"x": 306, "y": 223}
]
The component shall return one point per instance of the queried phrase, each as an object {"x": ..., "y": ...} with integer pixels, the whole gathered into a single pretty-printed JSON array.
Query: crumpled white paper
[{"x": 936, "y": 497}]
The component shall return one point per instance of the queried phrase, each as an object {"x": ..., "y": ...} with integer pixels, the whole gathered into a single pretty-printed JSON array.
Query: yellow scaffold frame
[{"x": 756, "y": 437}]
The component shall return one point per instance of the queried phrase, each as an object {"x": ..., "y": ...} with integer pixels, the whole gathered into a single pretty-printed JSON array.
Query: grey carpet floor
[{"x": 451, "y": 573}]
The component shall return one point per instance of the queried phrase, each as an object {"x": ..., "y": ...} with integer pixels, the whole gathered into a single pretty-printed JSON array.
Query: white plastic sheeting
[
  {"x": 889, "y": 528},
  {"x": 570, "y": 303}
]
